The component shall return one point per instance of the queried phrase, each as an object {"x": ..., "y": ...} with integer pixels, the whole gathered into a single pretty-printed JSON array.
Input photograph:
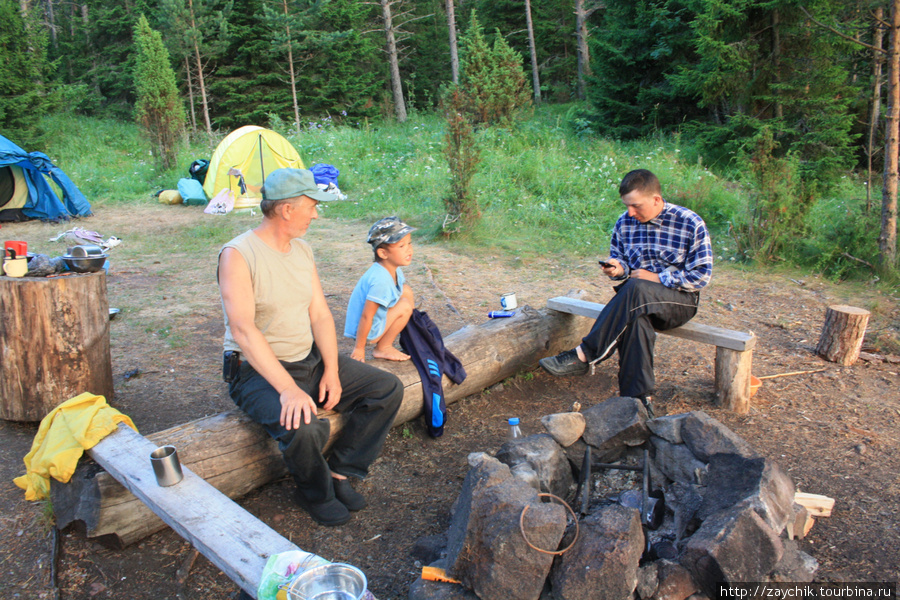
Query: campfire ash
[{"x": 666, "y": 509}]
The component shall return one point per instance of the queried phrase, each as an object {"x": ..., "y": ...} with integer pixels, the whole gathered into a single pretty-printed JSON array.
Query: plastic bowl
[
  {"x": 85, "y": 264},
  {"x": 335, "y": 581},
  {"x": 755, "y": 382}
]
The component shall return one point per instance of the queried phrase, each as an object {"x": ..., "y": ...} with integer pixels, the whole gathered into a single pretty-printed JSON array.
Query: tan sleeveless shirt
[{"x": 282, "y": 292}]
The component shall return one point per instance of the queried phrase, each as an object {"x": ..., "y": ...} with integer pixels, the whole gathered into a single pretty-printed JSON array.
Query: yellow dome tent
[{"x": 246, "y": 156}]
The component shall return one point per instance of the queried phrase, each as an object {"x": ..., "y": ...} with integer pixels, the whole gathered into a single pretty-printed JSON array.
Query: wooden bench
[
  {"x": 734, "y": 351},
  {"x": 230, "y": 537}
]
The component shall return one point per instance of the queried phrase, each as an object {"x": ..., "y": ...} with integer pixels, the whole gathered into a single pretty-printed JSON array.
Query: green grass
[{"x": 541, "y": 188}]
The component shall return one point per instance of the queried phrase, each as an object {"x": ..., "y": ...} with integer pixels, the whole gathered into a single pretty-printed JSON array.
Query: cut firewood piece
[{"x": 818, "y": 506}]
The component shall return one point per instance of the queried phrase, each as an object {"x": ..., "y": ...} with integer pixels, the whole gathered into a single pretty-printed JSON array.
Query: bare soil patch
[{"x": 835, "y": 431}]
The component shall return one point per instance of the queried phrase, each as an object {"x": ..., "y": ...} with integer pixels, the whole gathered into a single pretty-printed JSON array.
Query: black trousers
[
  {"x": 627, "y": 325},
  {"x": 370, "y": 399}
]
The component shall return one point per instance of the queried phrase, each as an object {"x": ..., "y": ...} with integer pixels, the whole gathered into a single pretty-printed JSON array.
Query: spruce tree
[
  {"x": 492, "y": 78},
  {"x": 158, "y": 108},
  {"x": 24, "y": 65}
]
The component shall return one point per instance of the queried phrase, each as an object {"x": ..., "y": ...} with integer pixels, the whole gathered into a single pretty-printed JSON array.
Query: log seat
[
  {"x": 234, "y": 540},
  {"x": 734, "y": 350}
]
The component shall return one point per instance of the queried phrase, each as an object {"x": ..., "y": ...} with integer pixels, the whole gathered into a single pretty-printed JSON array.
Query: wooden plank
[
  {"x": 230, "y": 537},
  {"x": 697, "y": 332}
]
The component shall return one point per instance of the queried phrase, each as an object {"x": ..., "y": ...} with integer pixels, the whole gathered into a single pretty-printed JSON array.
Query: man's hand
[
  {"x": 359, "y": 354},
  {"x": 330, "y": 386},
  {"x": 615, "y": 269},
  {"x": 295, "y": 403},
  {"x": 645, "y": 275}
]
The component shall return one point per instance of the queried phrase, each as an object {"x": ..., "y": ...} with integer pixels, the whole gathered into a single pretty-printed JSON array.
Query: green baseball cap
[{"x": 283, "y": 184}]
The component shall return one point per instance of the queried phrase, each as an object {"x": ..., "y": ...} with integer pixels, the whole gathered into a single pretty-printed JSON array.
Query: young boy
[{"x": 381, "y": 303}]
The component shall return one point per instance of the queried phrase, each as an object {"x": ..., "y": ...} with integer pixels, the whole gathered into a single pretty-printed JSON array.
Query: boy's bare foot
[{"x": 390, "y": 353}]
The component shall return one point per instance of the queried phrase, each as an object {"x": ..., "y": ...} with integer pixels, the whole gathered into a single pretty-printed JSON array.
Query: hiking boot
[
  {"x": 647, "y": 401},
  {"x": 565, "y": 363},
  {"x": 349, "y": 497},
  {"x": 330, "y": 513}
]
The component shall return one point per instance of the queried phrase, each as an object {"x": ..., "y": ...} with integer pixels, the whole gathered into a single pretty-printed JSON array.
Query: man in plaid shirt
[{"x": 662, "y": 254}]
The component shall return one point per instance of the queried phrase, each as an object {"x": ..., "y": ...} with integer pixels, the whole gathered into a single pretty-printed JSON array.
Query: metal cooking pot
[
  {"x": 84, "y": 251},
  {"x": 334, "y": 581}
]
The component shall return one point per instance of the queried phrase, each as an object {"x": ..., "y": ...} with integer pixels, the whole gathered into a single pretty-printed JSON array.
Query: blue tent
[{"x": 25, "y": 190}]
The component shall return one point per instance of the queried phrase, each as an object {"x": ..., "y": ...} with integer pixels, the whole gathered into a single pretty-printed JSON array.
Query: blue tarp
[{"x": 43, "y": 203}]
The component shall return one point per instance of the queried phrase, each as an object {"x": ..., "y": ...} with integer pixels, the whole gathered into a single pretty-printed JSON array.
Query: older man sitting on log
[{"x": 281, "y": 356}]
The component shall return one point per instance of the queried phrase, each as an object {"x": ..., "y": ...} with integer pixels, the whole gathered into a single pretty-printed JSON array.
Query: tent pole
[{"x": 262, "y": 166}]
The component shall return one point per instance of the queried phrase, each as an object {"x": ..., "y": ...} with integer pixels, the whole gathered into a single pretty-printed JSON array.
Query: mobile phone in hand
[{"x": 605, "y": 265}]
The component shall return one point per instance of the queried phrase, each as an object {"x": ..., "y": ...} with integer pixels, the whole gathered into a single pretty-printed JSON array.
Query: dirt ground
[{"x": 835, "y": 430}]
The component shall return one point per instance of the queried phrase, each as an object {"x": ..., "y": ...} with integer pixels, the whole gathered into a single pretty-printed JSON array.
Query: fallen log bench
[
  {"x": 236, "y": 456},
  {"x": 234, "y": 540},
  {"x": 734, "y": 351}
]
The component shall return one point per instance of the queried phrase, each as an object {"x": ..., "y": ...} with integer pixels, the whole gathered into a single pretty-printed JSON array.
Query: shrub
[
  {"x": 462, "y": 157},
  {"x": 778, "y": 199}
]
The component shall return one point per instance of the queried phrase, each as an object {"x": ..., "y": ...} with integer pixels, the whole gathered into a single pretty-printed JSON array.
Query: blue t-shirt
[{"x": 378, "y": 286}]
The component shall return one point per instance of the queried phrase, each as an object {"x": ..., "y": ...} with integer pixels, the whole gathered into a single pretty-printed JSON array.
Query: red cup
[{"x": 20, "y": 248}]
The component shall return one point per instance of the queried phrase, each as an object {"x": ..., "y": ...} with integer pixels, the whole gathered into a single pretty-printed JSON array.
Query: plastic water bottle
[{"x": 514, "y": 431}]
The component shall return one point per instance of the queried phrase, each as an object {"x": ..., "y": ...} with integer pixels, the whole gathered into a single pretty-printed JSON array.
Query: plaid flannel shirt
[{"x": 675, "y": 245}]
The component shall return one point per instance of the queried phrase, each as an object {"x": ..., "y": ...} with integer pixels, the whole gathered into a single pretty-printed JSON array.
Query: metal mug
[
  {"x": 508, "y": 301},
  {"x": 15, "y": 267},
  {"x": 166, "y": 466}
]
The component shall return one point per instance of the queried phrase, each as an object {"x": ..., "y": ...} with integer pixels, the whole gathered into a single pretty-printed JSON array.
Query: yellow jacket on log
[{"x": 65, "y": 433}]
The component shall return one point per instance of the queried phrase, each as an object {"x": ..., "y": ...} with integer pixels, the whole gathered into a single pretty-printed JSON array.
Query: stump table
[{"x": 54, "y": 343}]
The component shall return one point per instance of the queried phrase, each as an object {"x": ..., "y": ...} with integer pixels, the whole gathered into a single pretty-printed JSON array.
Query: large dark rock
[
  {"x": 617, "y": 422},
  {"x": 705, "y": 436},
  {"x": 603, "y": 563},
  {"x": 761, "y": 483},
  {"x": 667, "y": 427},
  {"x": 541, "y": 455},
  {"x": 486, "y": 550},
  {"x": 730, "y": 547},
  {"x": 677, "y": 462},
  {"x": 675, "y": 583}
]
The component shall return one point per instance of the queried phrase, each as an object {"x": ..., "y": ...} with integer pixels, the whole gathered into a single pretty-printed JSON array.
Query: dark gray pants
[
  {"x": 369, "y": 401},
  {"x": 627, "y": 324}
]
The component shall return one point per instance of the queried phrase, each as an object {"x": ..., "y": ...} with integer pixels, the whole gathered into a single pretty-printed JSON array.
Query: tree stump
[
  {"x": 733, "y": 379},
  {"x": 842, "y": 334},
  {"x": 54, "y": 343}
]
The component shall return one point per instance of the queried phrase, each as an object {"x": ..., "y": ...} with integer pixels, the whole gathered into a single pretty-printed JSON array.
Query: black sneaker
[
  {"x": 330, "y": 513},
  {"x": 349, "y": 497},
  {"x": 565, "y": 363}
]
